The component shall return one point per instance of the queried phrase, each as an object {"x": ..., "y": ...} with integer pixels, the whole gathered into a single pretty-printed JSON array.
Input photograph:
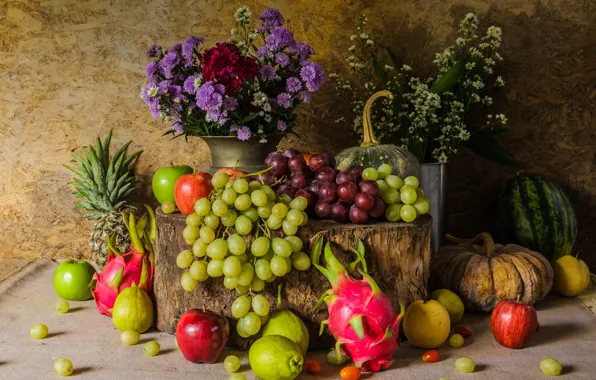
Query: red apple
[
  {"x": 189, "y": 189},
  {"x": 513, "y": 323},
  {"x": 202, "y": 335}
]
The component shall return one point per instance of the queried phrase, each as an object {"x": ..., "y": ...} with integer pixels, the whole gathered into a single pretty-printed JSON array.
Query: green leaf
[
  {"x": 450, "y": 78},
  {"x": 380, "y": 72},
  {"x": 491, "y": 149},
  {"x": 85, "y": 205},
  {"x": 132, "y": 158},
  {"x": 390, "y": 58},
  {"x": 248, "y": 118},
  {"x": 106, "y": 146}
]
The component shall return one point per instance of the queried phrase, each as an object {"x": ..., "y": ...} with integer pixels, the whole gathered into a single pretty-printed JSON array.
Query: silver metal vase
[
  {"x": 250, "y": 154},
  {"x": 434, "y": 183}
]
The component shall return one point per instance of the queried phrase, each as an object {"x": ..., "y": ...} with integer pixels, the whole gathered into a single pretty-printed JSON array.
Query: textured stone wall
[{"x": 70, "y": 69}]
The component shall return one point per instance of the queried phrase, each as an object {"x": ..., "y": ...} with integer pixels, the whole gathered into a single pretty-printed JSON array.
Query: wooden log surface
[{"x": 397, "y": 255}]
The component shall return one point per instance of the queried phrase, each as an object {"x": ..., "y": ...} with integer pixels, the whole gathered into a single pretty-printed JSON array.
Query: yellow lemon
[
  {"x": 451, "y": 302},
  {"x": 426, "y": 324},
  {"x": 572, "y": 276}
]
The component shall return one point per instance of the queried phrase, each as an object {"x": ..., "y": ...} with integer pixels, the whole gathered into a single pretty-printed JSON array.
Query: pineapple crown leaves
[{"x": 103, "y": 183}]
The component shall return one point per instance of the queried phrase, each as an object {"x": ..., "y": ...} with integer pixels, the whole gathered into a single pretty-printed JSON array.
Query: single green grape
[
  {"x": 465, "y": 365},
  {"x": 264, "y": 319},
  {"x": 38, "y": 331},
  {"x": 288, "y": 264},
  {"x": 295, "y": 217},
  {"x": 254, "y": 185},
  {"x": 304, "y": 219},
  {"x": 384, "y": 170},
  {"x": 421, "y": 205},
  {"x": 203, "y": 207},
  {"x": 288, "y": 228},
  {"x": 551, "y": 367},
  {"x": 257, "y": 284},
  {"x": 271, "y": 279},
  {"x": 300, "y": 261},
  {"x": 264, "y": 211},
  {"x": 62, "y": 306},
  {"x": 281, "y": 247},
  {"x": 259, "y": 198},
  {"x": 392, "y": 212},
  {"x": 252, "y": 323},
  {"x": 199, "y": 248},
  {"x": 237, "y": 376},
  {"x": 229, "y": 185},
  {"x": 271, "y": 195},
  {"x": 263, "y": 269},
  {"x": 240, "y": 307},
  {"x": 419, "y": 192},
  {"x": 188, "y": 283},
  {"x": 260, "y": 246},
  {"x": 184, "y": 259},
  {"x": 219, "y": 180},
  {"x": 383, "y": 185},
  {"x": 190, "y": 233},
  {"x": 242, "y": 290},
  {"x": 456, "y": 341},
  {"x": 240, "y": 185},
  {"x": 240, "y": 328},
  {"x": 63, "y": 367},
  {"x": 280, "y": 210},
  {"x": 130, "y": 337},
  {"x": 243, "y": 258},
  {"x": 407, "y": 213},
  {"x": 231, "y": 363},
  {"x": 230, "y": 283},
  {"x": 412, "y": 181},
  {"x": 407, "y": 195},
  {"x": 229, "y": 196},
  {"x": 194, "y": 219},
  {"x": 151, "y": 348},
  {"x": 246, "y": 274},
  {"x": 219, "y": 207},
  {"x": 243, "y": 225},
  {"x": 260, "y": 305},
  {"x": 243, "y": 202},
  {"x": 395, "y": 182},
  {"x": 252, "y": 214},
  {"x": 278, "y": 265},
  {"x": 389, "y": 195},
  {"x": 232, "y": 266},
  {"x": 229, "y": 219},
  {"x": 274, "y": 222},
  {"x": 198, "y": 270},
  {"x": 168, "y": 207},
  {"x": 269, "y": 255},
  {"x": 211, "y": 220},
  {"x": 333, "y": 358},
  {"x": 299, "y": 203},
  {"x": 217, "y": 249},
  {"x": 207, "y": 234},
  {"x": 370, "y": 174},
  {"x": 236, "y": 245},
  {"x": 215, "y": 268},
  {"x": 295, "y": 243}
]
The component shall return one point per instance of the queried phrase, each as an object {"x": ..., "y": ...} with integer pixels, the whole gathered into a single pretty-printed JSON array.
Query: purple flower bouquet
[{"x": 236, "y": 88}]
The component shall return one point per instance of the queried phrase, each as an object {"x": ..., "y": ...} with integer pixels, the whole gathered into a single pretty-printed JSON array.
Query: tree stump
[{"x": 397, "y": 255}]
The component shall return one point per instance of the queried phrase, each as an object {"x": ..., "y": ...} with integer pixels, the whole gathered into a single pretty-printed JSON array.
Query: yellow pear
[
  {"x": 572, "y": 276},
  {"x": 426, "y": 324},
  {"x": 451, "y": 302}
]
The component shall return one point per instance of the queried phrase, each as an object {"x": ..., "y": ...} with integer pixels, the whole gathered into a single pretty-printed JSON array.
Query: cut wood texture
[{"x": 397, "y": 254}]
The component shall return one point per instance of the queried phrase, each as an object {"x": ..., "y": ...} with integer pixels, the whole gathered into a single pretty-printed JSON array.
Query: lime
[{"x": 275, "y": 357}]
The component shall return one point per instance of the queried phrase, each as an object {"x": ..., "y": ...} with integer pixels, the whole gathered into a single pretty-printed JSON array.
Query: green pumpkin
[{"x": 371, "y": 153}]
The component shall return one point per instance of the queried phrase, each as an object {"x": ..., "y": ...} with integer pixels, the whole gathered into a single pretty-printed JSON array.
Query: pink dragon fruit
[
  {"x": 361, "y": 318},
  {"x": 122, "y": 270}
]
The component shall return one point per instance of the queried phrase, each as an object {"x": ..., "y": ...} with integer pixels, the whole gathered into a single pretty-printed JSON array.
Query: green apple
[
  {"x": 164, "y": 181},
  {"x": 72, "y": 278}
]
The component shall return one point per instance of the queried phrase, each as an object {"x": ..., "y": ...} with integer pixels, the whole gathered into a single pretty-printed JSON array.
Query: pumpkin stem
[
  {"x": 367, "y": 131},
  {"x": 518, "y": 298},
  {"x": 489, "y": 243}
]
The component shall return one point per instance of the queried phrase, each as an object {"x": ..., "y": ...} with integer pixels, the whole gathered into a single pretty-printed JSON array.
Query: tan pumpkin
[{"x": 483, "y": 275}]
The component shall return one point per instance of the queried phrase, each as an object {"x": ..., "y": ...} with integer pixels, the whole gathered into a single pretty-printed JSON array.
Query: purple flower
[
  {"x": 230, "y": 104},
  {"x": 267, "y": 72},
  {"x": 163, "y": 86},
  {"x": 282, "y": 59},
  {"x": 190, "y": 83},
  {"x": 244, "y": 133},
  {"x": 154, "y": 107},
  {"x": 178, "y": 127},
  {"x": 262, "y": 51},
  {"x": 233, "y": 128},
  {"x": 279, "y": 38},
  {"x": 313, "y": 76},
  {"x": 262, "y": 29},
  {"x": 304, "y": 50},
  {"x": 283, "y": 99},
  {"x": 189, "y": 46},
  {"x": 176, "y": 96},
  {"x": 293, "y": 84},
  {"x": 210, "y": 97},
  {"x": 271, "y": 18},
  {"x": 175, "y": 49},
  {"x": 168, "y": 64},
  {"x": 281, "y": 126},
  {"x": 151, "y": 68},
  {"x": 304, "y": 96},
  {"x": 153, "y": 51}
]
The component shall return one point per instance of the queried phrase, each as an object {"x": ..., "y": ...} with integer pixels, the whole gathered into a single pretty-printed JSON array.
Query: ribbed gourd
[{"x": 371, "y": 153}]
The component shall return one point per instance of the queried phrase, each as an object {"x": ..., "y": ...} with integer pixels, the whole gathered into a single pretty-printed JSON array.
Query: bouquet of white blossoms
[{"x": 430, "y": 117}]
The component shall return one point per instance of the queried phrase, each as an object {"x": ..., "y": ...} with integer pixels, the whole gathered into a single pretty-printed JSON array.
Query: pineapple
[{"x": 103, "y": 184}]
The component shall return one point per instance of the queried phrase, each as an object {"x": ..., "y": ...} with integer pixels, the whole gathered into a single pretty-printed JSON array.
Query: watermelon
[{"x": 535, "y": 212}]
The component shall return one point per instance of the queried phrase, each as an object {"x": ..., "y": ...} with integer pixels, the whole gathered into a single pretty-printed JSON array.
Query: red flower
[{"x": 227, "y": 66}]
